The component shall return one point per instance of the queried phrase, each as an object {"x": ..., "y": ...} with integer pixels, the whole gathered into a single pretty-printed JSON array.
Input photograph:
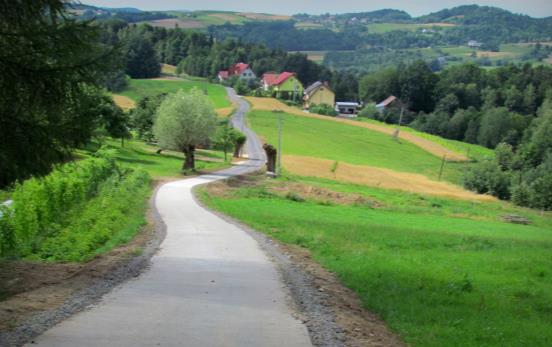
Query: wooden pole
[
  {"x": 442, "y": 166},
  {"x": 397, "y": 132},
  {"x": 279, "y": 166}
]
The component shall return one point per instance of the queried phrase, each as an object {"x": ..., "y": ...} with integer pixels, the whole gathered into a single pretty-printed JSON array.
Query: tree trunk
[
  {"x": 189, "y": 161},
  {"x": 237, "y": 149},
  {"x": 271, "y": 157}
]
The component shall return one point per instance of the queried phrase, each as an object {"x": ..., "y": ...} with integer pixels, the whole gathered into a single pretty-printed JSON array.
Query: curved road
[{"x": 210, "y": 284}]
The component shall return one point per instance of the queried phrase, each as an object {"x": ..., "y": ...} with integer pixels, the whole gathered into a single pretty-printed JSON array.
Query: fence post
[{"x": 442, "y": 166}]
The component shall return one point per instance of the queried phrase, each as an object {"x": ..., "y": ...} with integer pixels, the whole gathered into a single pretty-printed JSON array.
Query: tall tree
[
  {"x": 184, "y": 121},
  {"x": 46, "y": 60}
]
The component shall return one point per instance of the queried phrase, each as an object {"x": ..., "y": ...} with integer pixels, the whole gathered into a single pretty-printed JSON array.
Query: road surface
[{"x": 210, "y": 284}]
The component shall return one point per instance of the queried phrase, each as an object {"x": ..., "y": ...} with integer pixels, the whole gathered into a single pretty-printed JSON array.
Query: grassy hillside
[
  {"x": 355, "y": 145},
  {"x": 139, "y": 155},
  {"x": 139, "y": 88},
  {"x": 439, "y": 272},
  {"x": 473, "y": 151},
  {"x": 204, "y": 19}
]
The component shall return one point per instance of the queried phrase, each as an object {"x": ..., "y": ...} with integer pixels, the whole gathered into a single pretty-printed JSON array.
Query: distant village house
[
  {"x": 474, "y": 44},
  {"x": 386, "y": 103},
  {"x": 285, "y": 85},
  {"x": 240, "y": 69},
  {"x": 347, "y": 108},
  {"x": 319, "y": 93}
]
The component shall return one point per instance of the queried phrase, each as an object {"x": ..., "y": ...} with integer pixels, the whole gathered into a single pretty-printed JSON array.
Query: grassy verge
[
  {"x": 354, "y": 145},
  {"x": 139, "y": 88},
  {"x": 439, "y": 272},
  {"x": 139, "y": 155},
  {"x": 79, "y": 210}
]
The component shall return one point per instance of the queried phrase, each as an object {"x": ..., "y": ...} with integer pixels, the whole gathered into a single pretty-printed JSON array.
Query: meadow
[
  {"x": 470, "y": 150},
  {"x": 335, "y": 141},
  {"x": 439, "y": 272},
  {"x": 140, "y": 88}
]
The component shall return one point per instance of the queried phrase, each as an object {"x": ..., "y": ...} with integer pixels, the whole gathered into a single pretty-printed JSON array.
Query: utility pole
[
  {"x": 397, "y": 132},
  {"x": 442, "y": 166},
  {"x": 279, "y": 164}
]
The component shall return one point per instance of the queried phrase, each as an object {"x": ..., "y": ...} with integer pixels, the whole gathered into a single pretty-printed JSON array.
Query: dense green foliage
[
  {"x": 488, "y": 25},
  {"x": 184, "y": 121},
  {"x": 198, "y": 54},
  {"x": 323, "y": 109},
  {"x": 228, "y": 139},
  {"x": 74, "y": 211},
  {"x": 522, "y": 173},
  {"x": 50, "y": 67},
  {"x": 439, "y": 272},
  {"x": 463, "y": 102}
]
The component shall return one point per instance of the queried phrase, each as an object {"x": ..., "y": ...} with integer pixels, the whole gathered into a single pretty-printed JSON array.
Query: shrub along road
[{"x": 209, "y": 285}]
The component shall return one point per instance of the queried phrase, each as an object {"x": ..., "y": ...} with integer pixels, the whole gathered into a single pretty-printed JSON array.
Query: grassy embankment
[
  {"x": 81, "y": 209},
  {"x": 140, "y": 88},
  {"x": 168, "y": 164},
  {"x": 440, "y": 272}
]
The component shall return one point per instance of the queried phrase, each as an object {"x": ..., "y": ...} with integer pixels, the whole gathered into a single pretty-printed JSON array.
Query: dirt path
[{"x": 270, "y": 104}]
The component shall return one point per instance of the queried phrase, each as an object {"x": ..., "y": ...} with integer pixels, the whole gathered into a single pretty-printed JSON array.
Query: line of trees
[
  {"x": 464, "y": 102},
  {"x": 144, "y": 47}
]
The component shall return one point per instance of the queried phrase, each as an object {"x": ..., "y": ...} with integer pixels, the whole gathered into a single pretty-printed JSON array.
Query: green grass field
[
  {"x": 137, "y": 154},
  {"x": 473, "y": 151},
  {"x": 346, "y": 143},
  {"x": 139, "y": 88},
  {"x": 439, "y": 272}
]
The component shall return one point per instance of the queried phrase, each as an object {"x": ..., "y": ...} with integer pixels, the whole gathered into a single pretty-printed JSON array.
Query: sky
[{"x": 535, "y": 8}]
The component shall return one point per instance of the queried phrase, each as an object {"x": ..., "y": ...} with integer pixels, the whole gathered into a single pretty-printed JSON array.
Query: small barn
[
  {"x": 386, "y": 103},
  {"x": 318, "y": 93}
]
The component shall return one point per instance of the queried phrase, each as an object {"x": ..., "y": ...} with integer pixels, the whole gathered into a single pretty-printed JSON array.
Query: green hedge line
[{"x": 74, "y": 211}]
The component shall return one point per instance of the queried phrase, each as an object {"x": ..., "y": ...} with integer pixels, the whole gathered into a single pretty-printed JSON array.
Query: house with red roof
[
  {"x": 242, "y": 70},
  {"x": 285, "y": 84}
]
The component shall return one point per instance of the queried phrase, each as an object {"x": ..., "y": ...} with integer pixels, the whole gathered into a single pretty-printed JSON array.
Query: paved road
[{"x": 209, "y": 285}]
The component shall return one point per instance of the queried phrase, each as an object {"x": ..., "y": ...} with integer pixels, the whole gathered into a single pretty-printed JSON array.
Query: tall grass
[{"x": 46, "y": 210}]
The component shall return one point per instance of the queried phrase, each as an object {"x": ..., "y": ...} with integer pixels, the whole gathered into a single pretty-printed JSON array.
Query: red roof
[
  {"x": 270, "y": 78},
  {"x": 223, "y": 74},
  {"x": 283, "y": 77},
  {"x": 273, "y": 79},
  {"x": 237, "y": 69}
]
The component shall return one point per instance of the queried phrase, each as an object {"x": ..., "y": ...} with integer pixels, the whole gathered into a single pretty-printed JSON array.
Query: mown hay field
[{"x": 377, "y": 177}]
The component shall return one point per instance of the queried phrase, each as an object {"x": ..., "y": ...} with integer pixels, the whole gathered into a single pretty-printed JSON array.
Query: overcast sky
[{"x": 535, "y": 8}]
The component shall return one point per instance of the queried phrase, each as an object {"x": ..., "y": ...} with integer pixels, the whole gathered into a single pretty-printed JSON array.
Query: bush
[
  {"x": 488, "y": 178},
  {"x": 369, "y": 111},
  {"x": 43, "y": 207},
  {"x": 323, "y": 109},
  {"x": 113, "y": 216}
]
